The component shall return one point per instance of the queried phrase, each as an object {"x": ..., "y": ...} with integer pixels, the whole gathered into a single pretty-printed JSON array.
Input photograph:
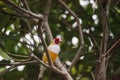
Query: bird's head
[{"x": 57, "y": 40}]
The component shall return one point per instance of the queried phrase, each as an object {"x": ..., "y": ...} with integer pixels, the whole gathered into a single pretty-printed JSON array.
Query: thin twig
[
  {"x": 23, "y": 11},
  {"x": 40, "y": 61},
  {"x": 30, "y": 30},
  {"x": 94, "y": 41},
  {"x": 8, "y": 69},
  {"x": 16, "y": 15},
  {"x": 93, "y": 76},
  {"x": 26, "y": 5},
  {"x": 17, "y": 55},
  {"x": 20, "y": 63},
  {"x": 14, "y": 65},
  {"x": 117, "y": 43}
]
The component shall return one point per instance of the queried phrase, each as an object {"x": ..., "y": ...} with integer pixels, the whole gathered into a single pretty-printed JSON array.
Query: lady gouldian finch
[{"x": 54, "y": 49}]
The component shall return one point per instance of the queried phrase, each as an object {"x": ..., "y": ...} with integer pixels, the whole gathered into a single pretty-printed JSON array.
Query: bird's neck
[{"x": 54, "y": 48}]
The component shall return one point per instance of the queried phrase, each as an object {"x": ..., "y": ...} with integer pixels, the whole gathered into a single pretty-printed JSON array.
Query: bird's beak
[{"x": 60, "y": 40}]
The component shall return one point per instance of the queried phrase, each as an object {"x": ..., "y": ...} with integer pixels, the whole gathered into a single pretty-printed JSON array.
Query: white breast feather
[{"x": 54, "y": 48}]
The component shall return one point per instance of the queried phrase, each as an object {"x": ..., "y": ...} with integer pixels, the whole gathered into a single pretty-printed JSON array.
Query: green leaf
[
  {"x": 17, "y": 22},
  {"x": 68, "y": 54},
  {"x": 4, "y": 55},
  {"x": 2, "y": 42},
  {"x": 73, "y": 71},
  {"x": 4, "y": 19},
  {"x": 2, "y": 69}
]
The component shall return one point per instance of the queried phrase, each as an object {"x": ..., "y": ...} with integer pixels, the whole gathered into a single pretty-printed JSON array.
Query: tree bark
[{"x": 101, "y": 66}]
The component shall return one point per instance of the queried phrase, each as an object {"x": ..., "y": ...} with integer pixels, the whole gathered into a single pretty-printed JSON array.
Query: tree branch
[
  {"x": 46, "y": 24},
  {"x": 53, "y": 68},
  {"x": 40, "y": 61},
  {"x": 101, "y": 66},
  {"x": 30, "y": 30},
  {"x": 25, "y": 3},
  {"x": 16, "y": 15},
  {"x": 23, "y": 11},
  {"x": 50, "y": 39},
  {"x": 47, "y": 9},
  {"x": 77, "y": 56},
  {"x": 104, "y": 23},
  {"x": 14, "y": 65},
  {"x": 117, "y": 43},
  {"x": 44, "y": 21},
  {"x": 40, "y": 34}
]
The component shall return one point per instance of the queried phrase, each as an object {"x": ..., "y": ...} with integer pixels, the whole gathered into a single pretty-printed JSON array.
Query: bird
[{"x": 53, "y": 49}]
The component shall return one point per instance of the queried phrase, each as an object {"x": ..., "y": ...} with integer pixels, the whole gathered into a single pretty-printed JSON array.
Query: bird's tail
[{"x": 42, "y": 69}]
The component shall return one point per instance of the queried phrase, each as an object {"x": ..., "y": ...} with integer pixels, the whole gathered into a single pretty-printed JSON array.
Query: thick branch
[
  {"x": 101, "y": 66},
  {"x": 46, "y": 24},
  {"x": 47, "y": 9},
  {"x": 104, "y": 22}
]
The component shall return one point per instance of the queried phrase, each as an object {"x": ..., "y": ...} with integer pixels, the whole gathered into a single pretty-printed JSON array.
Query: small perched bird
[{"x": 54, "y": 49}]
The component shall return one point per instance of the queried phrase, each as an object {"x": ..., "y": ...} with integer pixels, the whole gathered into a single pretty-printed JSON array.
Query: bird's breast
[
  {"x": 52, "y": 55},
  {"x": 54, "y": 48}
]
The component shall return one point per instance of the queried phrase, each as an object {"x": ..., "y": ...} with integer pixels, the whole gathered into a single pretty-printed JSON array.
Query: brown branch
[
  {"x": 104, "y": 22},
  {"x": 16, "y": 15},
  {"x": 76, "y": 58},
  {"x": 41, "y": 19},
  {"x": 40, "y": 34},
  {"x": 53, "y": 68},
  {"x": 117, "y": 43},
  {"x": 23, "y": 11},
  {"x": 46, "y": 24},
  {"x": 21, "y": 63},
  {"x": 47, "y": 9},
  {"x": 101, "y": 67},
  {"x": 40, "y": 61},
  {"x": 60, "y": 67},
  {"x": 14, "y": 65},
  {"x": 26, "y": 5}
]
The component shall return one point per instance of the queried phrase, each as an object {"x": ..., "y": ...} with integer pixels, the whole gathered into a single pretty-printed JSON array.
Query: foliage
[{"x": 15, "y": 38}]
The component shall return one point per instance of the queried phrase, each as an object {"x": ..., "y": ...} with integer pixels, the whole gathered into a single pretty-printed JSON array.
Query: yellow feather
[
  {"x": 53, "y": 52},
  {"x": 52, "y": 55}
]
